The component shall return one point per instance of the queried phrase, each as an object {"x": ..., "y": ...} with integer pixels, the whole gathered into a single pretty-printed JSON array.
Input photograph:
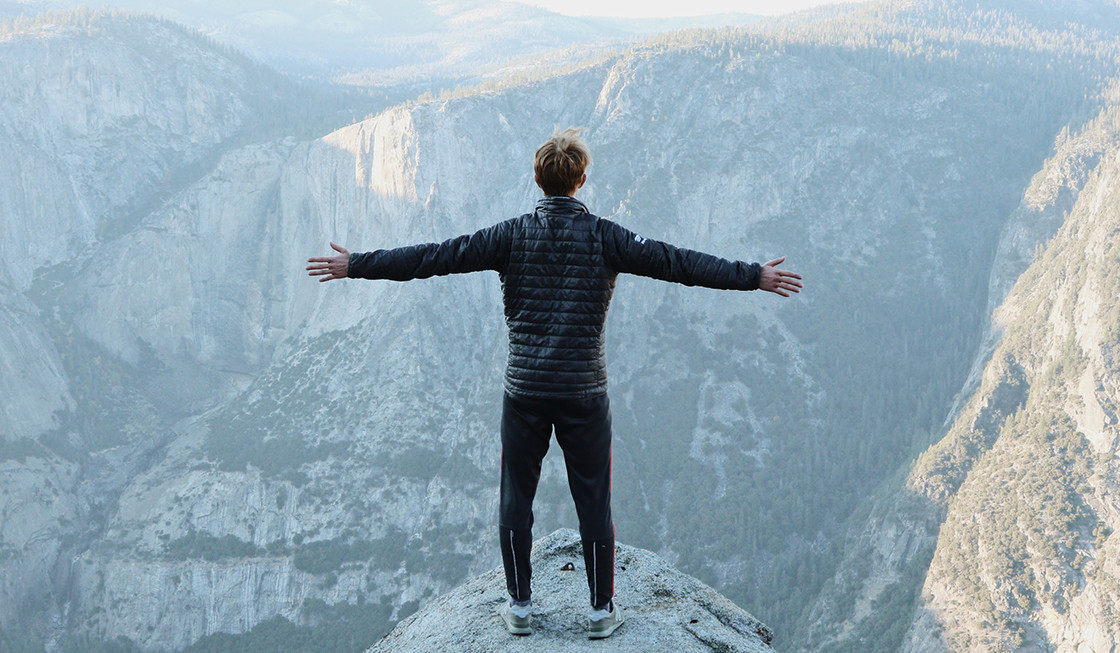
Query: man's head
[{"x": 560, "y": 163}]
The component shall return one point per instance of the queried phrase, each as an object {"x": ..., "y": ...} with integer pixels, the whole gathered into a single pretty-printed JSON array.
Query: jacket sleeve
[
  {"x": 487, "y": 249},
  {"x": 628, "y": 252}
]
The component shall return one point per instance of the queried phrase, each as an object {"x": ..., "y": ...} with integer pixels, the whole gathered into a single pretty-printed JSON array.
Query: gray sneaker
[
  {"x": 514, "y": 624},
  {"x": 603, "y": 628}
]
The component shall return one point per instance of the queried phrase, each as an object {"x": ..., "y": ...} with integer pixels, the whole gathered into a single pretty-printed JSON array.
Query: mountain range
[
  {"x": 205, "y": 450},
  {"x": 423, "y": 44}
]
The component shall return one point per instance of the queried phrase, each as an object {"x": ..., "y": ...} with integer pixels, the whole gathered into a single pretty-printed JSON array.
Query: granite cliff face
[
  {"x": 1008, "y": 519},
  {"x": 100, "y": 123},
  {"x": 99, "y": 126},
  {"x": 226, "y": 448},
  {"x": 104, "y": 118},
  {"x": 1028, "y": 472}
]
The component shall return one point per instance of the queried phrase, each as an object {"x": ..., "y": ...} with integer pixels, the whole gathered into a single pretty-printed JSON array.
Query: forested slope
[
  {"x": 1026, "y": 555},
  {"x": 1015, "y": 506}
]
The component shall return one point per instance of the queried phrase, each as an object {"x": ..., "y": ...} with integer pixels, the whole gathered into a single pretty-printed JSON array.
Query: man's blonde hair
[{"x": 559, "y": 164}]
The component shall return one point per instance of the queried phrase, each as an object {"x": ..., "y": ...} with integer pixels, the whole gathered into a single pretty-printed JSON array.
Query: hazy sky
[{"x": 672, "y": 8}]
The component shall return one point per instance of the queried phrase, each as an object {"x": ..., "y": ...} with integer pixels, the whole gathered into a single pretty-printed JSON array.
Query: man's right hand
[
  {"x": 330, "y": 267},
  {"x": 782, "y": 282}
]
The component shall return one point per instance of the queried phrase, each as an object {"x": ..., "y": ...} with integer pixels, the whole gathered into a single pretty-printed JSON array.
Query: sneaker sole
[
  {"x": 606, "y": 632},
  {"x": 513, "y": 628}
]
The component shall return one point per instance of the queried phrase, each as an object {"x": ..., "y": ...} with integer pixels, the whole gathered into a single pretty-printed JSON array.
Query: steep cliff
[
  {"x": 101, "y": 112},
  {"x": 1015, "y": 499},
  {"x": 1026, "y": 555},
  {"x": 104, "y": 118},
  {"x": 93, "y": 127}
]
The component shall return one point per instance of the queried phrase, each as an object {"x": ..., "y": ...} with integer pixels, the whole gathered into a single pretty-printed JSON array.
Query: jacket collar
[{"x": 561, "y": 204}]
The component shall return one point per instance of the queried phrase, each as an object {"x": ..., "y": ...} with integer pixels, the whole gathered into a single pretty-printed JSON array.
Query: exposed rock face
[
  {"x": 665, "y": 610},
  {"x": 104, "y": 118},
  {"x": 1046, "y": 204},
  {"x": 94, "y": 127},
  {"x": 872, "y": 596},
  {"x": 32, "y": 381},
  {"x": 1028, "y": 553},
  {"x": 1006, "y": 524},
  {"x": 100, "y": 112}
]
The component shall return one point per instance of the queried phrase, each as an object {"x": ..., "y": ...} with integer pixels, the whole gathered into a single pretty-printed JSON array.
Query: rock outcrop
[{"x": 665, "y": 610}]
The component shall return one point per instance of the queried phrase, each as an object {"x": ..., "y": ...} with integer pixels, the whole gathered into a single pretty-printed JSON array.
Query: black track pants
[{"x": 583, "y": 431}]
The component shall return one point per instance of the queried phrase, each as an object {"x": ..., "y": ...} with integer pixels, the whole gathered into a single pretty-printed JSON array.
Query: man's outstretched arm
[
  {"x": 487, "y": 249},
  {"x": 330, "y": 267},
  {"x": 627, "y": 252}
]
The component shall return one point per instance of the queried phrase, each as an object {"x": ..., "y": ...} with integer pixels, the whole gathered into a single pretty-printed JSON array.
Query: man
[{"x": 558, "y": 267}]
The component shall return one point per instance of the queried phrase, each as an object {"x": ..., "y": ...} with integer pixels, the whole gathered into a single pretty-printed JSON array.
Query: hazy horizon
[{"x": 675, "y": 8}]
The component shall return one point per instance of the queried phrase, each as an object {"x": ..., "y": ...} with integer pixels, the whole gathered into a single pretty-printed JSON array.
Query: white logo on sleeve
[{"x": 641, "y": 241}]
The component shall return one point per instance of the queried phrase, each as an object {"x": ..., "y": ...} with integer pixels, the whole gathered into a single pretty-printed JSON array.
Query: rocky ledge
[{"x": 665, "y": 610}]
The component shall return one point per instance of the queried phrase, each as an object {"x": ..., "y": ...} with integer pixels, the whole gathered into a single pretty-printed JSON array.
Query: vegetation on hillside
[{"x": 1027, "y": 529}]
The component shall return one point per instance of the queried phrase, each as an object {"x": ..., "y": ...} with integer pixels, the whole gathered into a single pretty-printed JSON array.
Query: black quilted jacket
[{"x": 558, "y": 266}]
